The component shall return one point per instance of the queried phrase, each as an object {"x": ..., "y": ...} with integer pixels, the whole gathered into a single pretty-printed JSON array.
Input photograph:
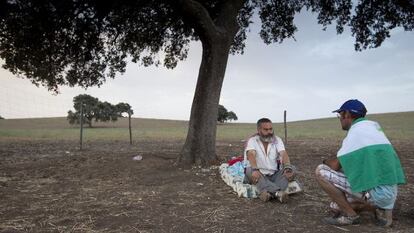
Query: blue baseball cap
[{"x": 354, "y": 106}]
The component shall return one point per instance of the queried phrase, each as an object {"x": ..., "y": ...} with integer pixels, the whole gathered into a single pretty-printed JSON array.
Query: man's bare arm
[
  {"x": 288, "y": 171},
  {"x": 285, "y": 157},
  {"x": 251, "y": 156}
]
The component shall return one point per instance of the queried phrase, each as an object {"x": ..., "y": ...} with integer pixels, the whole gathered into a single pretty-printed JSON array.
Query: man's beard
[{"x": 268, "y": 138}]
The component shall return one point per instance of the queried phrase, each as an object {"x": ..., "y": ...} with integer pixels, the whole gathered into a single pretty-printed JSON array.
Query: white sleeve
[
  {"x": 251, "y": 144},
  {"x": 279, "y": 145}
]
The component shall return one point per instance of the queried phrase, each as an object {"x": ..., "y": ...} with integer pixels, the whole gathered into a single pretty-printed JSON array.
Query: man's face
[
  {"x": 265, "y": 132},
  {"x": 345, "y": 119}
]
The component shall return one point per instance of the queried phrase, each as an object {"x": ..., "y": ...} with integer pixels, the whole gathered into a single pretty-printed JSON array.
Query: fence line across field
[{"x": 17, "y": 102}]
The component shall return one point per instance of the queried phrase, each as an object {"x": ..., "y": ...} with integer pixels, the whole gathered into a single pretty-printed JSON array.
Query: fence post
[
  {"x": 81, "y": 125},
  {"x": 284, "y": 121},
  {"x": 130, "y": 132}
]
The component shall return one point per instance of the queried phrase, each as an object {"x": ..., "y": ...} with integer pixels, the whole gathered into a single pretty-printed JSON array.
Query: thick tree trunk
[
  {"x": 200, "y": 145},
  {"x": 216, "y": 35}
]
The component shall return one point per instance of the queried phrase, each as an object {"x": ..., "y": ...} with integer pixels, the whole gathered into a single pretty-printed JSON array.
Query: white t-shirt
[{"x": 267, "y": 163}]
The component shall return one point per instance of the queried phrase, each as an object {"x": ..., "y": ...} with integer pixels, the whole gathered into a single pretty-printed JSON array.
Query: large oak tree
[{"x": 84, "y": 42}]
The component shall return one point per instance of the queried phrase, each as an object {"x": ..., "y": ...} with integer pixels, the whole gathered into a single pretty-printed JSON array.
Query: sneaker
[
  {"x": 282, "y": 196},
  {"x": 265, "y": 196},
  {"x": 342, "y": 220},
  {"x": 383, "y": 217},
  {"x": 335, "y": 210},
  {"x": 294, "y": 187},
  {"x": 334, "y": 207}
]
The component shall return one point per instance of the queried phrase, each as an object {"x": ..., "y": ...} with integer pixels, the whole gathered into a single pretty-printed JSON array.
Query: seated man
[
  {"x": 268, "y": 164},
  {"x": 365, "y": 173}
]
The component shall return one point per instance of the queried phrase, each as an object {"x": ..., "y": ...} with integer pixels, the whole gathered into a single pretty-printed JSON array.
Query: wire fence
[{"x": 31, "y": 102}]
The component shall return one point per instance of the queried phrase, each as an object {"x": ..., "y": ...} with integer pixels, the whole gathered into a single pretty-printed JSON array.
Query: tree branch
[
  {"x": 198, "y": 16},
  {"x": 229, "y": 10}
]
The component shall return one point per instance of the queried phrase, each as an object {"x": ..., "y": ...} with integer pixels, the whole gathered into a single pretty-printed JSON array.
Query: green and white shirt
[{"x": 367, "y": 157}]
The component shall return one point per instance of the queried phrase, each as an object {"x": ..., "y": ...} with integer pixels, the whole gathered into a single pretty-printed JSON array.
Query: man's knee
[{"x": 318, "y": 171}]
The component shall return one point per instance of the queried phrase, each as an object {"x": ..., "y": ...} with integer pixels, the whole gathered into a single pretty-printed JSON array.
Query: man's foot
[
  {"x": 383, "y": 217},
  {"x": 265, "y": 196},
  {"x": 282, "y": 196},
  {"x": 342, "y": 220}
]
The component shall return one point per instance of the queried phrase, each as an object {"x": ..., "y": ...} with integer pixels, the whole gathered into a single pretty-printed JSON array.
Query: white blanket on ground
[{"x": 235, "y": 180}]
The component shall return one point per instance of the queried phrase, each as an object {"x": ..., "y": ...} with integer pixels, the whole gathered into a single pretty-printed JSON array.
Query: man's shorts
[
  {"x": 383, "y": 196},
  {"x": 339, "y": 180}
]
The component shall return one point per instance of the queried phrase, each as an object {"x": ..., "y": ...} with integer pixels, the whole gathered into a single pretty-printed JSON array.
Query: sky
[{"x": 309, "y": 77}]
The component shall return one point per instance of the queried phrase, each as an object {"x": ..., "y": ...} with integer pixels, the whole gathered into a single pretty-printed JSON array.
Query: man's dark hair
[
  {"x": 263, "y": 120},
  {"x": 356, "y": 116}
]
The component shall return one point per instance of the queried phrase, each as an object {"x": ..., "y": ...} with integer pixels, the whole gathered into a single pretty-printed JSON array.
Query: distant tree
[
  {"x": 232, "y": 116},
  {"x": 224, "y": 115},
  {"x": 1, "y": 118},
  {"x": 106, "y": 112},
  {"x": 93, "y": 109},
  {"x": 84, "y": 42},
  {"x": 90, "y": 109},
  {"x": 124, "y": 108}
]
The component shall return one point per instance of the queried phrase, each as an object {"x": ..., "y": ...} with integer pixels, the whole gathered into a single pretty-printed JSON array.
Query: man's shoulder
[
  {"x": 278, "y": 139},
  {"x": 364, "y": 127},
  {"x": 252, "y": 137},
  {"x": 251, "y": 141}
]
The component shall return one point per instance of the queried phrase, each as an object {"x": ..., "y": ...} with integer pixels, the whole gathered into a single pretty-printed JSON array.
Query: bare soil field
[{"x": 49, "y": 186}]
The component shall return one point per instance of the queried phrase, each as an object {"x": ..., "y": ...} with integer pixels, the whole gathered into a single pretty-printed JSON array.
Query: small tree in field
[
  {"x": 89, "y": 106},
  {"x": 124, "y": 108},
  {"x": 106, "y": 112},
  {"x": 232, "y": 116},
  {"x": 224, "y": 115},
  {"x": 93, "y": 109}
]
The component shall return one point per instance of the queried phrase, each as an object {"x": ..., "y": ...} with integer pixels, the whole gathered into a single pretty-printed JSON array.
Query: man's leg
[
  {"x": 326, "y": 178},
  {"x": 265, "y": 186},
  {"x": 282, "y": 182},
  {"x": 268, "y": 186}
]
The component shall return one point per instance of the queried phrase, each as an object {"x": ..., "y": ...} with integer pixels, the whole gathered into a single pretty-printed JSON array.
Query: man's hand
[
  {"x": 288, "y": 173},
  {"x": 256, "y": 176}
]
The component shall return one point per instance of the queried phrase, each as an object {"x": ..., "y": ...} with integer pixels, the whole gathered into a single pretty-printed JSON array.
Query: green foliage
[
  {"x": 124, "y": 108},
  {"x": 92, "y": 108},
  {"x": 224, "y": 115},
  {"x": 232, "y": 116},
  {"x": 1, "y": 118},
  {"x": 84, "y": 42}
]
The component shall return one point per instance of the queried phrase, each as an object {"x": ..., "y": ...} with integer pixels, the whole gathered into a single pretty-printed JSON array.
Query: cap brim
[{"x": 338, "y": 110}]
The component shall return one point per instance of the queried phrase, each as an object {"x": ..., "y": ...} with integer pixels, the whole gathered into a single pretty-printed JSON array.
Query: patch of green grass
[{"x": 396, "y": 126}]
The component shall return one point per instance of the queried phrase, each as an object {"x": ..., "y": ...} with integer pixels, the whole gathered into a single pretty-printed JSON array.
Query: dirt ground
[{"x": 53, "y": 187}]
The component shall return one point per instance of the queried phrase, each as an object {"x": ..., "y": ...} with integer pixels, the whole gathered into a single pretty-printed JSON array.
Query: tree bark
[
  {"x": 216, "y": 36},
  {"x": 200, "y": 145}
]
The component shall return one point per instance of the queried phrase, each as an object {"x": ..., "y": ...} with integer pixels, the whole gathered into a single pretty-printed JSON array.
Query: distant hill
[{"x": 396, "y": 125}]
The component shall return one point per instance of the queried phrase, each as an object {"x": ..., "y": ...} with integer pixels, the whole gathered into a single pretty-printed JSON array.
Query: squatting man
[{"x": 365, "y": 173}]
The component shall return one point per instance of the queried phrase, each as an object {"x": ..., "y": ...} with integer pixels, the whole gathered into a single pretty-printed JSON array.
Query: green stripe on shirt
[{"x": 369, "y": 167}]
